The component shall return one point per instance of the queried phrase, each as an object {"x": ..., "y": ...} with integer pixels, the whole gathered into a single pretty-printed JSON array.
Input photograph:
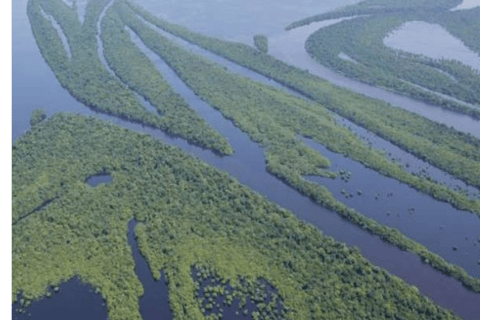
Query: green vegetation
[
  {"x": 261, "y": 42},
  {"x": 190, "y": 215},
  {"x": 38, "y": 115},
  {"x": 88, "y": 80},
  {"x": 443, "y": 147},
  {"x": 414, "y": 75},
  {"x": 274, "y": 119}
]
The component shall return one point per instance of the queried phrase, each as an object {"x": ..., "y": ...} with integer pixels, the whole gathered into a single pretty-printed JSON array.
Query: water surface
[
  {"x": 75, "y": 300},
  {"x": 467, "y": 4},
  {"x": 433, "y": 41}
]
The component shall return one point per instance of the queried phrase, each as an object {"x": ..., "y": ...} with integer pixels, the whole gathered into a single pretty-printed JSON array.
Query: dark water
[
  {"x": 96, "y": 179},
  {"x": 34, "y": 85},
  {"x": 75, "y": 300}
]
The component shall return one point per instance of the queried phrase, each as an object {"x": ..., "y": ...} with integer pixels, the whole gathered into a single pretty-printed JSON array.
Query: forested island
[{"x": 196, "y": 222}]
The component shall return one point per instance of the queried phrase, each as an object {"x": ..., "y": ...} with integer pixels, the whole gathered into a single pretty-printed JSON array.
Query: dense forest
[{"x": 190, "y": 215}]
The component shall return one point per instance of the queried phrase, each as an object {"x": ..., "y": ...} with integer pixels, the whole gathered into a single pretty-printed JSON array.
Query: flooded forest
[{"x": 226, "y": 159}]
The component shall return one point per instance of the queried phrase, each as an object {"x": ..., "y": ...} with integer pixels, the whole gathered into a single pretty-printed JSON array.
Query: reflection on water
[
  {"x": 433, "y": 41},
  {"x": 467, "y": 4}
]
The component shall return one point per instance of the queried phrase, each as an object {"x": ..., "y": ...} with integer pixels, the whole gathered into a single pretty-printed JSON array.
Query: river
[{"x": 34, "y": 85}]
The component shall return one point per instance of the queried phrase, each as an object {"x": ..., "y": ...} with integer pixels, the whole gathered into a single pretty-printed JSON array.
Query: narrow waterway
[
  {"x": 81, "y": 9},
  {"x": 154, "y": 302},
  {"x": 60, "y": 33}
]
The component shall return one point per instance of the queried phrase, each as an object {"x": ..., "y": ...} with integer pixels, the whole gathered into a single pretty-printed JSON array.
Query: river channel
[{"x": 38, "y": 87}]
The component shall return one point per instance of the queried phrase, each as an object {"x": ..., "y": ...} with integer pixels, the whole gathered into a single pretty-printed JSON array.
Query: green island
[
  {"x": 38, "y": 115},
  {"x": 416, "y": 76},
  {"x": 191, "y": 218},
  {"x": 261, "y": 42},
  {"x": 274, "y": 119},
  {"x": 88, "y": 80},
  {"x": 443, "y": 147}
]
